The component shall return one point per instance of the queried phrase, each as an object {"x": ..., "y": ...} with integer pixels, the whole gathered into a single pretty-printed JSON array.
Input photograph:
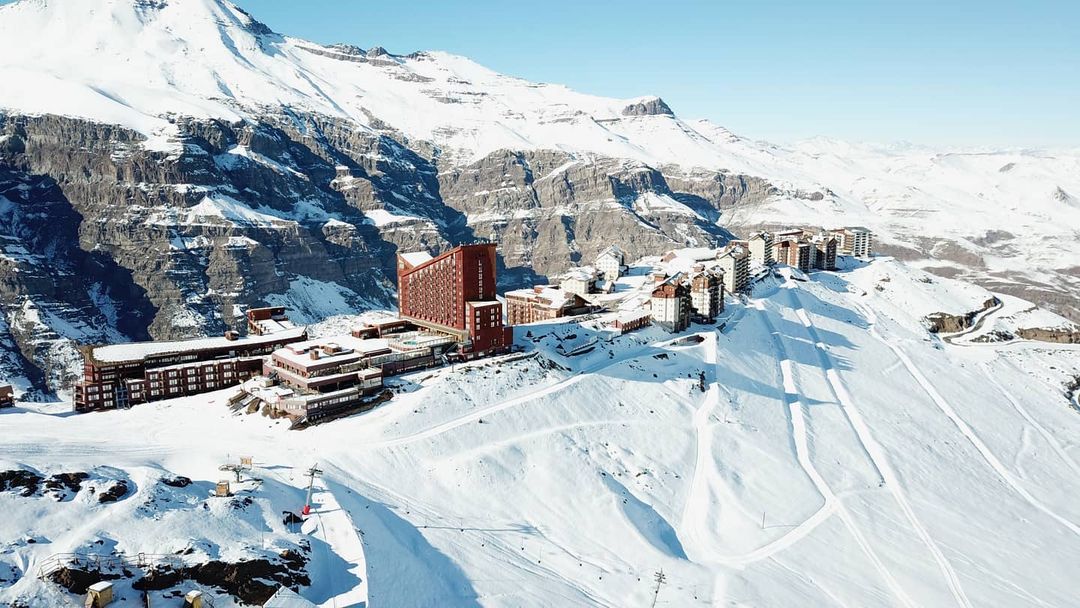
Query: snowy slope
[{"x": 822, "y": 449}]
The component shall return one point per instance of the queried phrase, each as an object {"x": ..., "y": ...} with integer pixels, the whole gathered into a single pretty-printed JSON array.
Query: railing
[{"x": 111, "y": 563}]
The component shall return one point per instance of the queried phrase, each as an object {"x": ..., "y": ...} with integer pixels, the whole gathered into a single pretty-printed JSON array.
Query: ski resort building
[
  {"x": 854, "y": 241},
  {"x": 263, "y": 321},
  {"x": 706, "y": 295},
  {"x": 120, "y": 375},
  {"x": 580, "y": 282},
  {"x": 610, "y": 263},
  {"x": 542, "y": 303},
  {"x": 794, "y": 252},
  {"x": 454, "y": 294},
  {"x": 734, "y": 261},
  {"x": 824, "y": 252},
  {"x": 7, "y": 396},
  {"x": 628, "y": 321},
  {"x": 761, "y": 249},
  {"x": 670, "y": 303}
]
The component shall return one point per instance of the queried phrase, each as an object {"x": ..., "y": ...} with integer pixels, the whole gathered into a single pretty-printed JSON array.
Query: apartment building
[
  {"x": 706, "y": 295},
  {"x": 542, "y": 303},
  {"x": 580, "y": 282},
  {"x": 854, "y": 241},
  {"x": 794, "y": 252},
  {"x": 824, "y": 252},
  {"x": 761, "y": 249},
  {"x": 734, "y": 261},
  {"x": 610, "y": 263},
  {"x": 670, "y": 304}
]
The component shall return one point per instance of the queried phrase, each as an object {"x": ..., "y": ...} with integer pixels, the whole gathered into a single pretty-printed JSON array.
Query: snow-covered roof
[
  {"x": 579, "y": 275},
  {"x": 351, "y": 347},
  {"x": 101, "y": 586},
  {"x": 612, "y": 251},
  {"x": 274, "y": 325},
  {"x": 135, "y": 351},
  {"x": 287, "y": 598},
  {"x": 555, "y": 297},
  {"x": 415, "y": 258}
]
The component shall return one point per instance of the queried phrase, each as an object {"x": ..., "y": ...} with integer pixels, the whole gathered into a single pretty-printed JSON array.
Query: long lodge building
[{"x": 121, "y": 375}]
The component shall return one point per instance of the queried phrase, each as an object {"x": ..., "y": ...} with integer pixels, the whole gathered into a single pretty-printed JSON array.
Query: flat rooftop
[{"x": 138, "y": 351}]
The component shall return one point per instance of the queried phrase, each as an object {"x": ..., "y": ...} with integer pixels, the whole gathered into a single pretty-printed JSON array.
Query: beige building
[
  {"x": 734, "y": 261},
  {"x": 542, "y": 303},
  {"x": 579, "y": 282},
  {"x": 761, "y": 249},
  {"x": 610, "y": 263},
  {"x": 854, "y": 241}
]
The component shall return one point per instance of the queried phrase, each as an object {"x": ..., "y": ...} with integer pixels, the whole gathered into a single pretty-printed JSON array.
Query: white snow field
[{"x": 822, "y": 449}]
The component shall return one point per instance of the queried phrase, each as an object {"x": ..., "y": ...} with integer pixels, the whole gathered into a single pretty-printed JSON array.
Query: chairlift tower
[{"x": 312, "y": 473}]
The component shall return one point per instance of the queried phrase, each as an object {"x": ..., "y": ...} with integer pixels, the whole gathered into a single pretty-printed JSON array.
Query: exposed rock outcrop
[
  {"x": 946, "y": 323},
  {"x": 1058, "y": 335},
  {"x": 648, "y": 107}
]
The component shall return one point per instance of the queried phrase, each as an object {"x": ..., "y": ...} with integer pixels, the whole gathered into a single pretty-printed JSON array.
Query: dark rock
[
  {"x": 176, "y": 482},
  {"x": 77, "y": 581},
  {"x": 946, "y": 323},
  {"x": 18, "y": 478},
  {"x": 114, "y": 492},
  {"x": 648, "y": 107},
  {"x": 1057, "y": 335},
  {"x": 71, "y": 482}
]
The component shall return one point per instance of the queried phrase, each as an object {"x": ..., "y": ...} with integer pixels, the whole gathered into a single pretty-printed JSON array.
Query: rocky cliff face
[{"x": 105, "y": 240}]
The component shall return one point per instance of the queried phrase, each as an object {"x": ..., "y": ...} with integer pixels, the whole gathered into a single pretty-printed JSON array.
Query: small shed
[
  {"x": 223, "y": 489},
  {"x": 194, "y": 599},
  {"x": 99, "y": 595}
]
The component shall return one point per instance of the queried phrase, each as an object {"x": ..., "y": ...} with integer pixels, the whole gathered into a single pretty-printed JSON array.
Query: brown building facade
[
  {"x": 454, "y": 293},
  {"x": 542, "y": 303},
  {"x": 120, "y": 375}
]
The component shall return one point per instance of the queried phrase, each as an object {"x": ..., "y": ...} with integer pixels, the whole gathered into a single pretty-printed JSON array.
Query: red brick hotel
[{"x": 454, "y": 293}]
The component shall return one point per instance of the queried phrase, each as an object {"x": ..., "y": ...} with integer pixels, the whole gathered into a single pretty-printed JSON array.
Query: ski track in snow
[
  {"x": 963, "y": 427},
  {"x": 873, "y": 448},
  {"x": 802, "y": 452},
  {"x": 473, "y": 416},
  {"x": 1055, "y": 445}
]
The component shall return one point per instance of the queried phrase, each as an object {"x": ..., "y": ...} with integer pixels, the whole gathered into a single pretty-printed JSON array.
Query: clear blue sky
[{"x": 967, "y": 72}]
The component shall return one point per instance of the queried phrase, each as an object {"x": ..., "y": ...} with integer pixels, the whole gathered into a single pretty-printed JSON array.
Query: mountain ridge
[{"x": 219, "y": 165}]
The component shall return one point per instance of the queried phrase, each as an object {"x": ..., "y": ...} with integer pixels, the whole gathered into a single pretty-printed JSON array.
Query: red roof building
[{"x": 454, "y": 294}]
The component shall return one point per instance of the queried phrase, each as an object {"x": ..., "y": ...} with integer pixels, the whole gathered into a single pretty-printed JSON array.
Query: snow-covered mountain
[
  {"x": 821, "y": 449},
  {"x": 197, "y": 162}
]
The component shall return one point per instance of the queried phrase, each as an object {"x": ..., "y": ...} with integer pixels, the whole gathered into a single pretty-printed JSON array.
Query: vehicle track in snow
[
  {"x": 873, "y": 448},
  {"x": 802, "y": 452}
]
